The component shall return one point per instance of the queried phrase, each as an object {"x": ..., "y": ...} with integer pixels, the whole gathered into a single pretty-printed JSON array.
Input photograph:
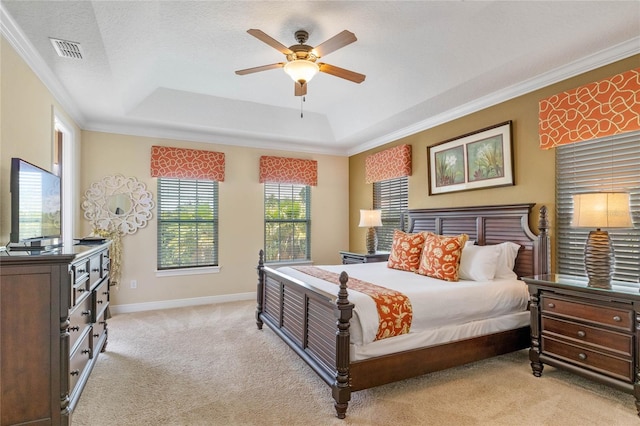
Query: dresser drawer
[
  {"x": 79, "y": 319},
  {"x": 619, "y": 368},
  {"x": 78, "y": 361},
  {"x": 95, "y": 269},
  {"x": 100, "y": 299},
  {"x": 99, "y": 332},
  {"x": 605, "y": 315},
  {"x": 80, "y": 282},
  {"x": 608, "y": 340}
]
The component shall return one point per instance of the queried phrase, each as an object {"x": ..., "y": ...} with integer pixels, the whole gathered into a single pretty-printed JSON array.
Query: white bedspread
[{"x": 436, "y": 304}]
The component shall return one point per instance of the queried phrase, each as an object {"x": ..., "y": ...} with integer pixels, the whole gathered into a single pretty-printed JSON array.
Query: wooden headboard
[{"x": 492, "y": 225}]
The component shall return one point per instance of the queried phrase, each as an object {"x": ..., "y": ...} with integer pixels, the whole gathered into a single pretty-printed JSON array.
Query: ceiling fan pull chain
[{"x": 302, "y": 99}]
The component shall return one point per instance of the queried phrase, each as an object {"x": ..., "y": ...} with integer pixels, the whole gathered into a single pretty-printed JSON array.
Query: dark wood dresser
[
  {"x": 349, "y": 257},
  {"x": 590, "y": 331},
  {"x": 53, "y": 325}
]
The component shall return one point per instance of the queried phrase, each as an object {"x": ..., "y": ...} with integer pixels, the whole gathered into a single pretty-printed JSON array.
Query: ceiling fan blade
[
  {"x": 342, "y": 73},
  {"x": 261, "y": 68},
  {"x": 335, "y": 43},
  {"x": 300, "y": 89},
  {"x": 260, "y": 35}
]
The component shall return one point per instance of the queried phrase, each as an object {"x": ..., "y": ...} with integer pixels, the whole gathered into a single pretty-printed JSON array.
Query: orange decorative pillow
[
  {"x": 406, "y": 250},
  {"x": 441, "y": 256}
]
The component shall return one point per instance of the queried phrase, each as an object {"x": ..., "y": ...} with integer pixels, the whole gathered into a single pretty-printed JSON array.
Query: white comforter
[{"x": 435, "y": 303}]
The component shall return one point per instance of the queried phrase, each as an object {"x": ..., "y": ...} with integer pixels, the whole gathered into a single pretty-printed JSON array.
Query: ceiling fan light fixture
[{"x": 301, "y": 70}]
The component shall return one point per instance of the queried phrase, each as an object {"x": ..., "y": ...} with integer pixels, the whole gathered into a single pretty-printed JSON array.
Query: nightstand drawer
[
  {"x": 618, "y": 368},
  {"x": 605, "y": 315},
  {"x": 607, "y": 340}
]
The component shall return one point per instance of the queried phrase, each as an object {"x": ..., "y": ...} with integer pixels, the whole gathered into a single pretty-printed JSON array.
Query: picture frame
[{"x": 477, "y": 160}]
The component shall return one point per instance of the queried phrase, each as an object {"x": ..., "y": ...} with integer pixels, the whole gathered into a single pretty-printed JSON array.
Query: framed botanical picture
[{"x": 481, "y": 159}]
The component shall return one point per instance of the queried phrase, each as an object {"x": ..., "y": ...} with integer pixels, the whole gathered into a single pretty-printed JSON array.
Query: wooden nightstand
[
  {"x": 348, "y": 257},
  {"x": 589, "y": 331}
]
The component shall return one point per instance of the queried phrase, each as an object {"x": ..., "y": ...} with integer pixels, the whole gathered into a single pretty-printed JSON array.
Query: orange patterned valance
[
  {"x": 184, "y": 163},
  {"x": 604, "y": 108},
  {"x": 388, "y": 164},
  {"x": 288, "y": 170}
]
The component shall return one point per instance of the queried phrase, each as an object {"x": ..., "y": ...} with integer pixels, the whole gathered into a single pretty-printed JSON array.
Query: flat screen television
[{"x": 35, "y": 205}]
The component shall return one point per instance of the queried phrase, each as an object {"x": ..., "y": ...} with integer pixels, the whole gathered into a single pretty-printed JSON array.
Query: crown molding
[{"x": 27, "y": 51}]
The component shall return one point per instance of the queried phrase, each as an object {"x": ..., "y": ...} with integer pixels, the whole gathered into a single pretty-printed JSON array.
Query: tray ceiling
[{"x": 166, "y": 68}]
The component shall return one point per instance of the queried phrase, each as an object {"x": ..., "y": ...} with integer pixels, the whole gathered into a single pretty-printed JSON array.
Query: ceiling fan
[{"x": 302, "y": 59}]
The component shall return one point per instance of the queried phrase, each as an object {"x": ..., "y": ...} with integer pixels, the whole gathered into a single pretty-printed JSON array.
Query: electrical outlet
[{"x": 134, "y": 284}]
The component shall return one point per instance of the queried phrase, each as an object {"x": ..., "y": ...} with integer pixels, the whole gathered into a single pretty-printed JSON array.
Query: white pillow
[
  {"x": 478, "y": 263},
  {"x": 507, "y": 260}
]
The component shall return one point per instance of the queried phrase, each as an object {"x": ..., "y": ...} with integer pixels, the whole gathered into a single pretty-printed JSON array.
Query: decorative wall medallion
[{"x": 118, "y": 203}]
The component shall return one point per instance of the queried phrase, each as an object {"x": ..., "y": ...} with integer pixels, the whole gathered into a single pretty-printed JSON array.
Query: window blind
[
  {"x": 187, "y": 223},
  {"x": 601, "y": 165},
  {"x": 287, "y": 222},
  {"x": 392, "y": 197}
]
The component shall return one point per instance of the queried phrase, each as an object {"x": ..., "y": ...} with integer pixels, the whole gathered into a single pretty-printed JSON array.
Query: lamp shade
[
  {"x": 601, "y": 210},
  {"x": 301, "y": 70},
  {"x": 370, "y": 218}
]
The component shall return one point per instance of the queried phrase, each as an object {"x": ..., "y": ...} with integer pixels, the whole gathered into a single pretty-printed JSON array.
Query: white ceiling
[{"x": 166, "y": 68}]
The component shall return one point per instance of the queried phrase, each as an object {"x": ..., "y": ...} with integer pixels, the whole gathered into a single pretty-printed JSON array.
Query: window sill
[
  {"x": 187, "y": 271},
  {"x": 276, "y": 265}
]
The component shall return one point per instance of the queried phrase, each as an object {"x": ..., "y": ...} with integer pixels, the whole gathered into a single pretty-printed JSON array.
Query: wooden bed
[{"x": 315, "y": 324}]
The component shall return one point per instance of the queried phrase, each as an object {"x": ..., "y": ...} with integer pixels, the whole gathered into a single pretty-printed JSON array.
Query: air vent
[{"x": 67, "y": 49}]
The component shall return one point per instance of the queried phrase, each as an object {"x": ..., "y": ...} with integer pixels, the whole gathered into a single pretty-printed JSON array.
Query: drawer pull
[
  {"x": 582, "y": 356},
  {"x": 80, "y": 290},
  {"x": 105, "y": 293},
  {"x": 617, "y": 318},
  {"x": 86, "y": 351},
  {"x": 552, "y": 305},
  {"x": 87, "y": 312},
  {"x": 102, "y": 322},
  {"x": 74, "y": 328},
  {"x": 581, "y": 333},
  {"x": 82, "y": 271},
  {"x": 75, "y": 372},
  {"x": 99, "y": 302}
]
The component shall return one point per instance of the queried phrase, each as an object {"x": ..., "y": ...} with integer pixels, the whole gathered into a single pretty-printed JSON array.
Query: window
[
  {"x": 392, "y": 197},
  {"x": 187, "y": 223},
  {"x": 605, "y": 165},
  {"x": 287, "y": 222}
]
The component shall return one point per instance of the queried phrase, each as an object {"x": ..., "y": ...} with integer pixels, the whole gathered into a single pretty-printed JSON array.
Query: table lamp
[
  {"x": 600, "y": 210},
  {"x": 370, "y": 219}
]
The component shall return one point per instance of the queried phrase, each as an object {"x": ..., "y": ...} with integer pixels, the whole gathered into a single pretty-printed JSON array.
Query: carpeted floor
[{"x": 209, "y": 365}]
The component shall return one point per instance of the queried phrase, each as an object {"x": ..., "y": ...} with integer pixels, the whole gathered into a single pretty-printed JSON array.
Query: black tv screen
[{"x": 35, "y": 203}]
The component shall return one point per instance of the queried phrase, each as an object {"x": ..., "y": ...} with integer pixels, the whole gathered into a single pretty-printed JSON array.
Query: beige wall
[
  {"x": 534, "y": 168},
  {"x": 26, "y": 127},
  {"x": 27, "y": 132},
  {"x": 241, "y": 212}
]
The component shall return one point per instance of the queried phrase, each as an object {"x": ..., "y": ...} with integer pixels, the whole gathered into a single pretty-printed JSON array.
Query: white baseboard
[{"x": 179, "y": 303}]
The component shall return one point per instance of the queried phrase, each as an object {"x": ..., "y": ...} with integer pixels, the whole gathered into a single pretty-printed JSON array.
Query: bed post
[
  {"x": 543, "y": 252},
  {"x": 260, "y": 288},
  {"x": 341, "y": 389}
]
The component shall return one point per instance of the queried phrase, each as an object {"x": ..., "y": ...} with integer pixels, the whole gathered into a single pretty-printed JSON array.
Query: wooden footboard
[{"x": 313, "y": 323}]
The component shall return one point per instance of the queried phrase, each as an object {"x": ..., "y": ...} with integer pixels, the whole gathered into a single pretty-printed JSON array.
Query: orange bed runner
[{"x": 394, "y": 308}]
